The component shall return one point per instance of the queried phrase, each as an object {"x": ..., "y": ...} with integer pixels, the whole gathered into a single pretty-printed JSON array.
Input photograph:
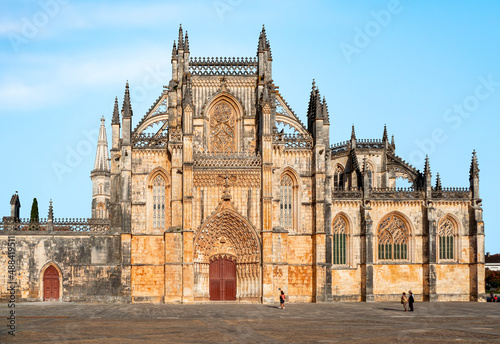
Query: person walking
[
  {"x": 410, "y": 300},
  {"x": 282, "y": 300},
  {"x": 404, "y": 301}
]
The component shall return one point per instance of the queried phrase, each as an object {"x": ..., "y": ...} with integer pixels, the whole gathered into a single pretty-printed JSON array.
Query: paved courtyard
[{"x": 245, "y": 323}]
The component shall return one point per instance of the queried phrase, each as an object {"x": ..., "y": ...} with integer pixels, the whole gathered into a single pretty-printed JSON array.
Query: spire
[
  {"x": 315, "y": 108},
  {"x": 181, "y": 42},
  {"x": 438, "y": 182},
  {"x": 474, "y": 166},
  {"x": 353, "y": 138},
  {"x": 393, "y": 144},
  {"x": 427, "y": 168},
  {"x": 174, "y": 51},
  {"x": 116, "y": 114},
  {"x": 263, "y": 40},
  {"x": 101, "y": 158},
  {"x": 384, "y": 136},
  {"x": 126, "y": 107},
  {"x": 325, "y": 111},
  {"x": 186, "y": 43},
  {"x": 51, "y": 211}
]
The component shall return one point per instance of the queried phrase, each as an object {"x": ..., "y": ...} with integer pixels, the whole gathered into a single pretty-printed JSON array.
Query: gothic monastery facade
[{"x": 220, "y": 192}]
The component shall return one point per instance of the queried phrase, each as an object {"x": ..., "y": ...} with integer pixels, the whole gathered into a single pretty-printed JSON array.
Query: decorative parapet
[
  {"x": 369, "y": 144},
  {"x": 402, "y": 193},
  {"x": 62, "y": 225},
  {"x": 448, "y": 193},
  {"x": 293, "y": 140},
  {"x": 340, "y": 147},
  {"x": 150, "y": 141},
  {"x": 349, "y": 193},
  {"x": 223, "y": 66},
  {"x": 397, "y": 193},
  {"x": 241, "y": 159}
]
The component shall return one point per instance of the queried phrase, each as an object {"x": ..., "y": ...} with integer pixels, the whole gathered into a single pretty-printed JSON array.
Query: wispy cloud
[
  {"x": 26, "y": 86},
  {"x": 95, "y": 15}
]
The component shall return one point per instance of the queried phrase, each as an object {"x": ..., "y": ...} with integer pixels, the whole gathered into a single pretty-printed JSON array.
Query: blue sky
[{"x": 429, "y": 70}]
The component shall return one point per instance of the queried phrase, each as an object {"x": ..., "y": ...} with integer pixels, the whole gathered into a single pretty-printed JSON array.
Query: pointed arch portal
[
  {"x": 227, "y": 258},
  {"x": 51, "y": 284}
]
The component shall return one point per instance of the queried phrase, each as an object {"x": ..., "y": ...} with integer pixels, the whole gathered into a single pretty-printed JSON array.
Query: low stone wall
[{"x": 88, "y": 265}]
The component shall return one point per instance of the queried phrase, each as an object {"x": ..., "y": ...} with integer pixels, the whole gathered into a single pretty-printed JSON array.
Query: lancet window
[
  {"x": 286, "y": 202},
  {"x": 158, "y": 202},
  {"x": 339, "y": 233},
  {"x": 101, "y": 210},
  {"x": 338, "y": 177},
  {"x": 393, "y": 238},
  {"x": 446, "y": 232}
]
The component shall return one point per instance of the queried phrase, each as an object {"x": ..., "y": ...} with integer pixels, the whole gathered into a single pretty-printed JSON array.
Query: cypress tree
[{"x": 34, "y": 219}]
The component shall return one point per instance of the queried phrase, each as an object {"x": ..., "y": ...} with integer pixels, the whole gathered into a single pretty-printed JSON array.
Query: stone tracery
[
  {"x": 222, "y": 128},
  {"x": 392, "y": 238}
]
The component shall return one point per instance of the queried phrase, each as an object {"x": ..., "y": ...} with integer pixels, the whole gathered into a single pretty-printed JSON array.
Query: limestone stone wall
[{"x": 89, "y": 265}]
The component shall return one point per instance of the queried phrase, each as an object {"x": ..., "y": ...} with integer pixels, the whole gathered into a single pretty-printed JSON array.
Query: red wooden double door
[
  {"x": 223, "y": 279},
  {"x": 51, "y": 284}
]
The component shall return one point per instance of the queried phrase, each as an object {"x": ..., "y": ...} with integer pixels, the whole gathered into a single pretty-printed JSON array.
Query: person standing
[
  {"x": 410, "y": 300},
  {"x": 282, "y": 300},
  {"x": 404, "y": 301}
]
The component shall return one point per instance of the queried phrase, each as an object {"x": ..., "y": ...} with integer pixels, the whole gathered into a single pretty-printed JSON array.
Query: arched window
[
  {"x": 370, "y": 178},
  {"x": 286, "y": 202},
  {"x": 393, "y": 237},
  {"x": 338, "y": 178},
  {"x": 222, "y": 128},
  {"x": 446, "y": 230},
  {"x": 101, "y": 211},
  {"x": 158, "y": 202},
  {"x": 339, "y": 232}
]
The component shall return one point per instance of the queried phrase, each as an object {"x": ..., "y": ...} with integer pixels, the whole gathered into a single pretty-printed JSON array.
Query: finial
[
  {"x": 127, "y": 107},
  {"x": 427, "y": 168},
  {"x": 384, "y": 136},
  {"x": 186, "y": 43},
  {"x": 181, "y": 43},
  {"x": 474, "y": 166},
  {"x": 353, "y": 133},
  {"x": 314, "y": 84},
  {"x": 116, "y": 114},
  {"x": 393, "y": 144},
  {"x": 51, "y": 210},
  {"x": 438, "y": 182},
  {"x": 325, "y": 111},
  {"x": 102, "y": 120},
  {"x": 174, "y": 51}
]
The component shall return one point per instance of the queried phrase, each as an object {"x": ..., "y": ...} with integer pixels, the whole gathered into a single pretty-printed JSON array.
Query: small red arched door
[
  {"x": 51, "y": 284},
  {"x": 223, "y": 279}
]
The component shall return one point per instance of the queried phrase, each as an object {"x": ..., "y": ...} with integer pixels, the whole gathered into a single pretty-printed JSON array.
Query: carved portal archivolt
[{"x": 228, "y": 233}]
